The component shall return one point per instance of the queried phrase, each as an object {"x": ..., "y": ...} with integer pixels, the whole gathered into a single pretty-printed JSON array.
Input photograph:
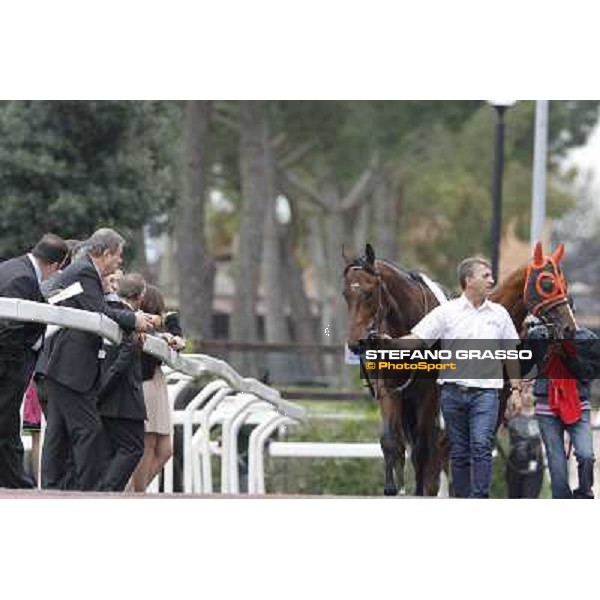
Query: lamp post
[{"x": 501, "y": 107}]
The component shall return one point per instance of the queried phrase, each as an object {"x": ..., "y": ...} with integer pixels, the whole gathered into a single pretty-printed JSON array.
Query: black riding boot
[{"x": 585, "y": 471}]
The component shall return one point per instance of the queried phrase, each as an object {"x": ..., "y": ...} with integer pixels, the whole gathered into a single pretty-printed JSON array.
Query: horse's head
[
  {"x": 545, "y": 292},
  {"x": 363, "y": 295}
]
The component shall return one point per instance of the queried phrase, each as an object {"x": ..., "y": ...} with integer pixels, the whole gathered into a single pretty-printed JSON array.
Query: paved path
[{"x": 6, "y": 494}]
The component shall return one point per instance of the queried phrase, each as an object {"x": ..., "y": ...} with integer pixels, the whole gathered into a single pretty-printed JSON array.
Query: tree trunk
[
  {"x": 140, "y": 262},
  {"x": 168, "y": 277},
  {"x": 318, "y": 261},
  {"x": 253, "y": 141},
  {"x": 386, "y": 219},
  {"x": 303, "y": 323},
  {"x": 195, "y": 266},
  {"x": 274, "y": 279},
  {"x": 360, "y": 227},
  {"x": 335, "y": 234}
]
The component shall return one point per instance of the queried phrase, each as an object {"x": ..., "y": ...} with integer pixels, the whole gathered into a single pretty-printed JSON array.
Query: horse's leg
[
  {"x": 393, "y": 455},
  {"x": 401, "y": 453},
  {"x": 421, "y": 461},
  {"x": 427, "y": 458},
  {"x": 434, "y": 465},
  {"x": 417, "y": 463},
  {"x": 443, "y": 448}
]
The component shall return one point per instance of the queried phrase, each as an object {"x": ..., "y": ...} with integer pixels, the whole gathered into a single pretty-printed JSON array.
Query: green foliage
[
  {"x": 360, "y": 476},
  {"x": 348, "y": 133},
  {"x": 225, "y": 142},
  {"x": 447, "y": 174},
  {"x": 343, "y": 476},
  {"x": 70, "y": 167},
  {"x": 438, "y": 154}
]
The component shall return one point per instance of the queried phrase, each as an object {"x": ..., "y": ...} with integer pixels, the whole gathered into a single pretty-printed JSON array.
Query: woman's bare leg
[
  {"x": 35, "y": 455},
  {"x": 163, "y": 450},
  {"x": 140, "y": 477}
]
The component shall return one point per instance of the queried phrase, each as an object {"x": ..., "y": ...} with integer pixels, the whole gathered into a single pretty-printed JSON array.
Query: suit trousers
[
  {"x": 125, "y": 445},
  {"x": 15, "y": 373},
  {"x": 73, "y": 423},
  {"x": 58, "y": 470}
]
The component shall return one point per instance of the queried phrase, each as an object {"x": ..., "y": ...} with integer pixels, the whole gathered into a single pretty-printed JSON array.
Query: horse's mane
[
  {"x": 361, "y": 262},
  {"x": 511, "y": 288},
  {"x": 407, "y": 273},
  {"x": 510, "y": 294},
  {"x": 405, "y": 308}
]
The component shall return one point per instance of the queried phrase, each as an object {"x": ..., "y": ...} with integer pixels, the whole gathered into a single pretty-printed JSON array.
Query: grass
[{"x": 347, "y": 476}]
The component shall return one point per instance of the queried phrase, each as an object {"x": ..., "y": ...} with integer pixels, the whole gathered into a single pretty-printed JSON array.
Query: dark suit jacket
[
  {"x": 18, "y": 280},
  {"x": 121, "y": 394},
  {"x": 74, "y": 361}
]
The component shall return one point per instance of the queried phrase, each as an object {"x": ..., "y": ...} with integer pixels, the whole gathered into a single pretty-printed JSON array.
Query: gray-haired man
[{"x": 74, "y": 367}]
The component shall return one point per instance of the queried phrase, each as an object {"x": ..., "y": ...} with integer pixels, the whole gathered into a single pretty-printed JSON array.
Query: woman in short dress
[
  {"x": 32, "y": 425},
  {"x": 158, "y": 447}
]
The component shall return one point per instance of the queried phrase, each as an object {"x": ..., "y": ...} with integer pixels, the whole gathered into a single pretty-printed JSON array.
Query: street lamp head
[{"x": 502, "y": 103}]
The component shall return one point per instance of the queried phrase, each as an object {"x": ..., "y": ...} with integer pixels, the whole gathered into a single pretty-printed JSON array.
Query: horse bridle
[
  {"x": 375, "y": 324},
  {"x": 547, "y": 292},
  {"x": 374, "y": 330}
]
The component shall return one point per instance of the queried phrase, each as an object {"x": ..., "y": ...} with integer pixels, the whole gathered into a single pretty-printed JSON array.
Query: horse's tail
[
  {"x": 413, "y": 405},
  {"x": 409, "y": 417}
]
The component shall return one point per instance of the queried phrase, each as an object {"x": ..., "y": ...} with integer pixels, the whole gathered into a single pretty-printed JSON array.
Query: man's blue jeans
[
  {"x": 470, "y": 415},
  {"x": 553, "y": 435}
]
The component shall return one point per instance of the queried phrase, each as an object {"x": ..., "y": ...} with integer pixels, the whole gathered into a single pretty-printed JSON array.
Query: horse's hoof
[{"x": 390, "y": 490}]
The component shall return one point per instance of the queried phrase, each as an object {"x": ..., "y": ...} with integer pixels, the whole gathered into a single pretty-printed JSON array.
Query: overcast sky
[{"x": 588, "y": 156}]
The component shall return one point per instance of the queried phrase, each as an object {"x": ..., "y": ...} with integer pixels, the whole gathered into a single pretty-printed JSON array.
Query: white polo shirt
[{"x": 459, "y": 320}]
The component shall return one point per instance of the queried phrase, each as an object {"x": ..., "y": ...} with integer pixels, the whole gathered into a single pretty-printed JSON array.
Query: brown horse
[
  {"x": 539, "y": 289},
  {"x": 383, "y": 298},
  {"x": 386, "y": 300},
  {"x": 510, "y": 294}
]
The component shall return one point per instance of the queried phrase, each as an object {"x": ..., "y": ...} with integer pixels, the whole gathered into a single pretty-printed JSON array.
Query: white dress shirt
[
  {"x": 458, "y": 319},
  {"x": 38, "y": 271}
]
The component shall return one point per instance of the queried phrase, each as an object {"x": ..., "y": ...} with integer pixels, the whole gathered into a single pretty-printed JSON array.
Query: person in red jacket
[{"x": 563, "y": 406}]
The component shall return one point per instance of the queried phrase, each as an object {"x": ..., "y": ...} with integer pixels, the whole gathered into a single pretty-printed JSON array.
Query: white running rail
[{"x": 250, "y": 395}]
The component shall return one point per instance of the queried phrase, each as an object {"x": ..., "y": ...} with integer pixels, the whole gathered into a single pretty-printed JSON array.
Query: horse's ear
[
  {"x": 370, "y": 254},
  {"x": 558, "y": 253},
  {"x": 538, "y": 255},
  {"x": 347, "y": 259}
]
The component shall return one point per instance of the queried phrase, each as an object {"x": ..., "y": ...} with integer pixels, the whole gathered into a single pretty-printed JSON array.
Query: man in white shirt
[{"x": 470, "y": 405}]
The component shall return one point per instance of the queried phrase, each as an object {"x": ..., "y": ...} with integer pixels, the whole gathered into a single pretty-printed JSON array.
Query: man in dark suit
[
  {"x": 74, "y": 365},
  {"x": 121, "y": 395},
  {"x": 19, "y": 344}
]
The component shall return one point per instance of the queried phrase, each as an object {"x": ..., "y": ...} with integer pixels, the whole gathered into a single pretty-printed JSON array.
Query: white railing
[
  {"x": 256, "y": 471},
  {"x": 230, "y": 400}
]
